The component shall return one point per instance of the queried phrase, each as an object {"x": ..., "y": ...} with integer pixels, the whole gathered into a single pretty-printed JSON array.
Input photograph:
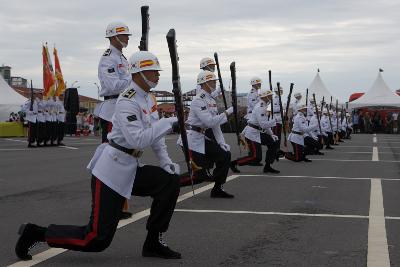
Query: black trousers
[
  {"x": 60, "y": 131},
  {"x": 47, "y": 135},
  {"x": 255, "y": 150},
  {"x": 53, "y": 133},
  {"x": 278, "y": 132},
  {"x": 311, "y": 145},
  {"x": 41, "y": 132},
  {"x": 32, "y": 132},
  {"x": 106, "y": 208},
  {"x": 213, "y": 154}
]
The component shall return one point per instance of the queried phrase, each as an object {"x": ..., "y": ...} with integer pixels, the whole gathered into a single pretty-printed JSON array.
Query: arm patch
[
  {"x": 111, "y": 70},
  {"x": 129, "y": 94},
  {"x": 203, "y": 108},
  {"x": 131, "y": 118},
  {"x": 202, "y": 96}
]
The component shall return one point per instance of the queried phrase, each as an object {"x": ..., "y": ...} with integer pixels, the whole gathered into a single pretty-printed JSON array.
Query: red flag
[{"x": 48, "y": 77}]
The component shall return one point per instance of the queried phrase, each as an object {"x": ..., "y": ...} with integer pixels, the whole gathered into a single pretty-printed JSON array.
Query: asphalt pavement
[{"x": 342, "y": 209}]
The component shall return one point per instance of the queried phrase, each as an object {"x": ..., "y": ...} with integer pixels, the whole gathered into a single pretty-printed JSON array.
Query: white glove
[
  {"x": 172, "y": 168},
  {"x": 225, "y": 147},
  {"x": 275, "y": 137},
  {"x": 171, "y": 120},
  {"x": 229, "y": 111}
]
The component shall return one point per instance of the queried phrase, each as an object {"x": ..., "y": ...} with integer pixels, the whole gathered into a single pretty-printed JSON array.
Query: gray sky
[{"x": 348, "y": 40}]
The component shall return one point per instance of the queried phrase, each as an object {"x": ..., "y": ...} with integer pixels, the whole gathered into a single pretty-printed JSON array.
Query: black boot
[
  {"x": 218, "y": 192},
  {"x": 255, "y": 164},
  {"x": 307, "y": 160},
  {"x": 268, "y": 168},
  {"x": 30, "y": 235},
  {"x": 329, "y": 147},
  {"x": 319, "y": 153},
  {"x": 155, "y": 246},
  {"x": 125, "y": 215},
  {"x": 233, "y": 166}
]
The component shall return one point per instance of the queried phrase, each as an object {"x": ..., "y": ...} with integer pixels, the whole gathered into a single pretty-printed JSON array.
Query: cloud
[{"x": 347, "y": 40}]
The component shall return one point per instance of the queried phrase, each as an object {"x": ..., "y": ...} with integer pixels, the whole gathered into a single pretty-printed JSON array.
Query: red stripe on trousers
[
  {"x": 247, "y": 159},
  {"x": 90, "y": 236}
]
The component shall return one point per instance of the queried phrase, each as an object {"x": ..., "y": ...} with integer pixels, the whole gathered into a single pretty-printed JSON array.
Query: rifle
[
  {"x": 329, "y": 116},
  {"x": 221, "y": 85},
  {"x": 144, "y": 40},
  {"x": 285, "y": 119},
  {"x": 307, "y": 97},
  {"x": 272, "y": 99},
  {"x": 337, "y": 121},
  {"x": 319, "y": 122},
  {"x": 31, "y": 104},
  {"x": 176, "y": 84},
  {"x": 322, "y": 104},
  {"x": 281, "y": 108},
  {"x": 234, "y": 101}
]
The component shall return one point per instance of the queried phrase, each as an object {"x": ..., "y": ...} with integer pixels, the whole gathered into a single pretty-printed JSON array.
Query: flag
[
  {"x": 380, "y": 70},
  {"x": 48, "y": 76},
  {"x": 58, "y": 74}
]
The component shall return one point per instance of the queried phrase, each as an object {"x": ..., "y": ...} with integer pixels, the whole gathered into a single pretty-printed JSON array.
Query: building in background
[{"x": 5, "y": 71}]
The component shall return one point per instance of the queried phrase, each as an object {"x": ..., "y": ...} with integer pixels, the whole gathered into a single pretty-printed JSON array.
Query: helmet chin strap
[
  {"x": 211, "y": 89},
  {"x": 147, "y": 81},
  {"x": 124, "y": 45}
]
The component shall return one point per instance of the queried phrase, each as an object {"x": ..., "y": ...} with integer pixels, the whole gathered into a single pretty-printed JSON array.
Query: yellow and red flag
[
  {"x": 58, "y": 74},
  {"x": 48, "y": 76}
]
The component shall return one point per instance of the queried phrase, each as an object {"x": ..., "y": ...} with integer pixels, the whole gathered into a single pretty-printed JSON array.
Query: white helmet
[
  {"x": 265, "y": 93},
  {"x": 143, "y": 60},
  {"x": 117, "y": 28},
  {"x": 255, "y": 80},
  {"x": 280, "y": 89},
  {"x": 301, "y": 107},
  {"x": 205, "y": 76},
  {"x": 206, "y": 62}
]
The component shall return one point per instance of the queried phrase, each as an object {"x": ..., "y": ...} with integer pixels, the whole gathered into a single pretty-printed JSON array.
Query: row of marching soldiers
[
  {"x": 311, "y": 129},
  {"x": 46, "y": 120}
]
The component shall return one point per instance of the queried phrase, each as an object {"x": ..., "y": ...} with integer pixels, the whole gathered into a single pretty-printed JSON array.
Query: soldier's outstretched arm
[
  {"x": 128, "y": 115},
  {"x": 200, "y": 109}
]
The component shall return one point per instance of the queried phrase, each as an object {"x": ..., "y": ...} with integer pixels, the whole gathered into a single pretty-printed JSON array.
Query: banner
[
  {"x": 58, "y": 74},
  {"x": 48, "y": 76}
]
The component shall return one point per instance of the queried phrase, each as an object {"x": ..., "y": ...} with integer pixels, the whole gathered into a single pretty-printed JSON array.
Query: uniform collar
[
  {"x": 205, "y": 92},
  {"x": 115, "y": 50},
  {"x": 139, "y": 90}
]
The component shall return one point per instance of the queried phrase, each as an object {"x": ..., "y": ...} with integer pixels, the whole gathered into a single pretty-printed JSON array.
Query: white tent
[
  {"x": 10, "y": 101},
  {"x": 378, "y": 95},
  {"x": 318, "y": 88}
]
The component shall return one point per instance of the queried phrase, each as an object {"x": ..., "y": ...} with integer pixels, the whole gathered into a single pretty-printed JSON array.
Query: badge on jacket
[{"x": 131, "y": 118}]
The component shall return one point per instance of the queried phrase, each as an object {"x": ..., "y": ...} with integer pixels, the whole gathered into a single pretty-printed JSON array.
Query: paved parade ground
[{"x": 341, "y": 210}]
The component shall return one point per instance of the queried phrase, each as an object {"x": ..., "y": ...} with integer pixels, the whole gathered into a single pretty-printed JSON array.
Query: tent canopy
[
  {"x": 318, "y": 88},
  {"x": 10, "y": 101},
  {"x": 379, "y": 95}
]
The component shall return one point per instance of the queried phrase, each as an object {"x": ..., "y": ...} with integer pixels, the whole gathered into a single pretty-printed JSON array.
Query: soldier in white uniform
[
  {"x": 296, "y": 137},
  {"x": 117, "y": 174},
  {"x": 209, "y": 64},
  {"x": 203, "y": 117},
  {"x": 252, "y": 96},
  {"x": 277, "y": 115},
  {"x": 258, "y": 132},
  {"x": 326, "y": 129},
  {"x": 59, "y": 107},
  {"x": 113, "y": 74},
  {"x": 294, "y": 106},
  {"x": 31, "y": 117},
  {"x": 312, "y": 140},
  {"x": 114, "y": 78},
  {"x": 52, "y": 108},
  {"x": 41, "y": 120}
]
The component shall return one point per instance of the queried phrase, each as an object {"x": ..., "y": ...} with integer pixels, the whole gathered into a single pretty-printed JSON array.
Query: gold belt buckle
[{"x": 137, "y": 153}]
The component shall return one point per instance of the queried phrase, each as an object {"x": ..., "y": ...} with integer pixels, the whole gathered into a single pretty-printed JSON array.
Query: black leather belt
[
  {"x": 195, "y": 128},
  {"x": 254, "y": 126},
  {"x": 133, "y": 152},
  {"x": 106, "y": 97},
  {"x": 299, "y": 133},
  {"x": 278, "y": 112}
]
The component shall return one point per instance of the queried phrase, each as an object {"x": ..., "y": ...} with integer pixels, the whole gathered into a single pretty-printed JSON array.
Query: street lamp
[
  {"x": 98, "y": 91},
  {"x": 72, "y": 85}
]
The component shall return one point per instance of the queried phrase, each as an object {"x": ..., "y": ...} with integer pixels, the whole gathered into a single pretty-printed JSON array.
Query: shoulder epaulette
[
  {"x": 107, "y": 52},
  {"x": 129, "y": 93}
]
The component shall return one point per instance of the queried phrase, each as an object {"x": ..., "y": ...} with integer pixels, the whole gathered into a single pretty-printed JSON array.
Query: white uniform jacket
[
  {"x": 325, "y": 126},
  {"x": 203, "y": 113},
  {"x": 114, "y": 78},
  {"x": 136, "y": 125},
  {"x": 52, "y": 107},
  {"x": 294, "y": 106},
  {"x": 31, "y": 116},
  {"x": 313, "y": 128},
  {"x": 47, "y": 111},
  {"x": 60, "y": 111},
  {"x": 300, "y": 127},
  {"x": 252, "y": 99},
  {"x": 277, "y": 109},
  {"x": 41, "y": 110},
  {"x": 259, "y": 118}
]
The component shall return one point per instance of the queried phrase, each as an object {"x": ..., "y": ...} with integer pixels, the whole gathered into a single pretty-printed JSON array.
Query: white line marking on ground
[
  {"x": 275, "y": 213},
  {"x": 16, "y": 140},
  {"x": 68, "y": 147},
  {"x": 52, "y": 252},
  {"x": 15, "y": 149},
  {"x": 392, "y": 218},
  {"x": 370, "y": 146},
  {"x": 319, "y": 186},
  {"x": 317, "y": 177},
  {"x": 378, "y": 253},
  {"x": 355, "y": 160},
  {"x": 374, "y": 139},
  {"x": 375, "y": 154}
]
